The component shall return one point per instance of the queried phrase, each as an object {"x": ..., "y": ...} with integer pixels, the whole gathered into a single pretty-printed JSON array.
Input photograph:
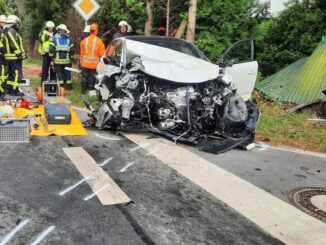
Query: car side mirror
[{"x": 106, "y": 61}]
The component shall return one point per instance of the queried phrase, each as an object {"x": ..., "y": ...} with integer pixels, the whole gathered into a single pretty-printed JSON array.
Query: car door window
[
  {"x": 240, "y": 52},
  {"x": 114, "y": 52}
]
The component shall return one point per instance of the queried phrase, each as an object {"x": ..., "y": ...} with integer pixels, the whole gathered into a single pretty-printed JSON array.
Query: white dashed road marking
[
  {"x": 8, "y": 237},
  {"x": 96, "y": 192},
  {"x": 126, "y": 167},
  {"x": 106, "y": 162},
  {"x": 62, "y": 193},
  {"x": 44, "y": 234}
]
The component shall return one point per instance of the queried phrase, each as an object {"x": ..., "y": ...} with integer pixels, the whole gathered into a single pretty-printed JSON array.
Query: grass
[
  {"x": 74, "y": 96},
  {"x": 274, "y": 127},
  {"x": 277, "y": 128}
]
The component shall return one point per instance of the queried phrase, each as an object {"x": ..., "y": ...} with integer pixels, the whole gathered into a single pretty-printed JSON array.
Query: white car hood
[{"x": 171, "y": 65}]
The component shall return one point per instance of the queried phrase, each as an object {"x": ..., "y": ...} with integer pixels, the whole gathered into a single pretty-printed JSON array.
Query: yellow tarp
[{"x": 74, "y": 129}]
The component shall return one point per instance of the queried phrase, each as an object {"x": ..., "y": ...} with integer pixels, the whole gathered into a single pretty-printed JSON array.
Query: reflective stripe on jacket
[
  {"x": 92, "y": 49},
  {"x": 45, "y": 39},
  {"x": 13, "y": 43},
  {"x": 62, "y": 50}
]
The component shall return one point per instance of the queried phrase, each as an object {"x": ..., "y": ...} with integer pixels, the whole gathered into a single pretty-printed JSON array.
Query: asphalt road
[{"x": 166, "y": 207}]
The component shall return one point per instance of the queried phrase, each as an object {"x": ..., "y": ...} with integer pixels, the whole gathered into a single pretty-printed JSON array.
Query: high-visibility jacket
[
  {"x": 45, "y": 39},
  {"x": 13, "y": 42},
  {"x": 92, "y": 49},
  {"x": 61, "y": 49},
  {"x": 3, "y": 74}
]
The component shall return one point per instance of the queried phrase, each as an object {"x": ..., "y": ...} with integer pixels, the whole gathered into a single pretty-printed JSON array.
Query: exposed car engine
[{"x": 182, "y": 112}]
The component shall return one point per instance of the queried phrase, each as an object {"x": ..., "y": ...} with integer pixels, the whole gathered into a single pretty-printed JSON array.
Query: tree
[
  {"x": 293, "y": 35},
  {"x": 191, "y": 30},
  {"x": 149, "y": 22}
]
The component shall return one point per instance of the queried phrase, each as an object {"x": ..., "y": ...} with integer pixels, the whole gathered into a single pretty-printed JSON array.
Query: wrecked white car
[{"x": 168, "y": 86}]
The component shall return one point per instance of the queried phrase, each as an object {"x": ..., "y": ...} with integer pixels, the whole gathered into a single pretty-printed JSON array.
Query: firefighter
[
  {"x": 92, "y": 49},
  {"x": 123, "y": 29},
  {"x": 86, "y": 32},
  {"x": 3, "y": 76},
  {"x": 14, "y": 55},
  {"x": 62, "y": 51},
  {"x": 45, "y": 38}
]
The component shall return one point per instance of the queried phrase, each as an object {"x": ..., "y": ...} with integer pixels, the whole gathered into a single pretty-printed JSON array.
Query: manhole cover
[{"x": 311, "y": 200}]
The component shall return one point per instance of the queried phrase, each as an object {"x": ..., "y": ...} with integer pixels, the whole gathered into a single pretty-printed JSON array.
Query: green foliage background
[{"x": 280, "y": 40}]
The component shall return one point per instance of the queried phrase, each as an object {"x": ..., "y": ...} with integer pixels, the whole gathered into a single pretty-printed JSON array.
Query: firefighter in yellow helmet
[
  {"x": 3, "y": 75},
  {"x": 14, "y": 55},
  {"x": 45, "y": 38}
]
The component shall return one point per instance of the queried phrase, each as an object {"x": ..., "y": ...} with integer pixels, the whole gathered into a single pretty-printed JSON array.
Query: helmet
[
  {"x": 3, "y": 18},
  {"x": 123, "y": 23},
  {"x": 49, "y": 24},
  {"x": 94, "y": 27},
  {"x": 63, "y": 27},
  {"x": 87, "y": 29},
  {"x": 12, "y": 19}
]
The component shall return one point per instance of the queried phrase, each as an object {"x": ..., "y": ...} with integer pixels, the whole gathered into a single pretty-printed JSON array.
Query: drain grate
[{"x": 302, "y": 199}]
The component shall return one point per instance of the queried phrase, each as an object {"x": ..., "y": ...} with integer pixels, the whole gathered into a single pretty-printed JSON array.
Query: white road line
[
  {"x": 280, "y": 219},
  {"x": 107, "y": 138},
  {"x": 8, "y": 237},
  {"x": 126, "y": 167},
  {"x": 152, "y": 152},
  {"x": 87, "y": 166},
  {"x": 43, "y": 235},
  {"x": 139, "y": 147},
  {"x": 105, "y": 162},
  {"x": 95, "y": 193},
  {"x": 299, "y": 151},
  {"x": 62, "y": 193}
]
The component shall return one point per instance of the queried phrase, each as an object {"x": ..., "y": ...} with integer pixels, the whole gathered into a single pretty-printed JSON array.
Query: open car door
[
  {"x": 113, "y": 59},
  {"x": 245, "y": 69}
]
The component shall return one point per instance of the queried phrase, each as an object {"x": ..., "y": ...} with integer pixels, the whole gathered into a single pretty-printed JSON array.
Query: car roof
[
  {"x": 167, "y": 41},
  {"x": 155, "y": 38}
]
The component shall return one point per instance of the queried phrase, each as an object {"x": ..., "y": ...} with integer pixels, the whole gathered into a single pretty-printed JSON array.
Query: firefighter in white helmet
[
  {"x": 3, "y": 75},
  {"x": 86, "y": 32},
  {"x": 62, "y": 51},
  {"x": 45, "y": 38},
  {"x": 14, "y": 55},
  {"x": 123, "y": 29}
]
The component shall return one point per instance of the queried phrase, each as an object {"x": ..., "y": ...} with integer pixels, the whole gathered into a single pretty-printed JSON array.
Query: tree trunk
[
  {"x": 191, "y": 31},
  {"x": 168, "y": 6},
  {"x": 149, "y": 21},
  {"x": 181, "y": 29}
]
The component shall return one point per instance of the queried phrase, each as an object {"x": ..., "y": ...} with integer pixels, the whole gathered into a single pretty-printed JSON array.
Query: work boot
[{"x": 84, "y": 88}]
